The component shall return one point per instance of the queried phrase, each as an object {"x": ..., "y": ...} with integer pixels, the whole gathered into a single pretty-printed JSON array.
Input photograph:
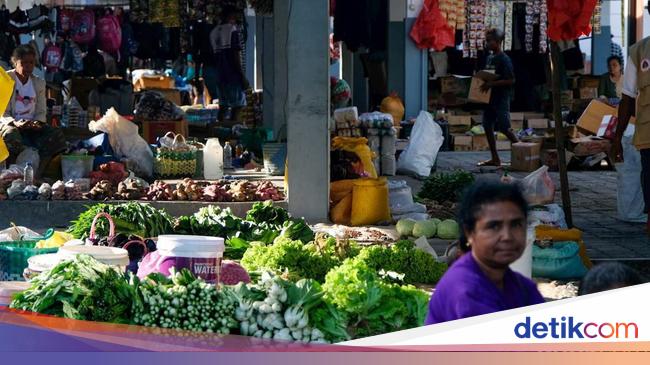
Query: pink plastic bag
[{"x": 539, "y": 188}]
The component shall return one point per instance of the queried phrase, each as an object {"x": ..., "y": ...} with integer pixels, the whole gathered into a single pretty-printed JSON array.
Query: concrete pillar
[
  {"x": 407, "y": 65},
  {"x": 251, "y": 51},
  {"x": 303, "y": 57},
  {"x": 280, "y": 67},
  {"x": 265, "y": 30}
]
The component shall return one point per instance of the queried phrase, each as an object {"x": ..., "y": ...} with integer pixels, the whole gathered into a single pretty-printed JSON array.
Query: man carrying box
[
  {"x": 497, "y": 113},
  {"x": 636, "y": 101}
]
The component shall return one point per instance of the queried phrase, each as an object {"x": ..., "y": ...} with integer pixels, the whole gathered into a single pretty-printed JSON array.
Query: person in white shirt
[{"x": 24, "y": 121}]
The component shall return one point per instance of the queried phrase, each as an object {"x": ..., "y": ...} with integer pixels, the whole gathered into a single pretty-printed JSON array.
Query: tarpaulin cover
[
  {"x": 568, "y": 20},
  {"x": 431, "y": 29}
]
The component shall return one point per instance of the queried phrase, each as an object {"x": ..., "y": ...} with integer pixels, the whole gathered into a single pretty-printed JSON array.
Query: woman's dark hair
[
  {"x": 615, "y": 57},
  {"x": 22, "y": 51},
  {"x": 482, "y": 193},
  {"x": 609, "y": 275}
]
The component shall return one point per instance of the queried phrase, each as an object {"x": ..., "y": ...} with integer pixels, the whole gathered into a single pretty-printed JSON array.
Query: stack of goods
[
  {"x": 382, "y": 137},
  {"x": 251, "y": 114},
  {"x": 199, "y": 116},
  {"x": 188, "y": 189},
  {"x": 74, "y": 190},
  {"x": 114, "y": 172},
  {"x": 45, "y": 192},
  {"x": 58, "y": 190},
  {"x": 131, "y": 189},
  {"x": 347, "y": 122},
  {"x": 154, "y": 107},
  {"x": 103, "y": 190},
  {"x": 159, "y": 191}
]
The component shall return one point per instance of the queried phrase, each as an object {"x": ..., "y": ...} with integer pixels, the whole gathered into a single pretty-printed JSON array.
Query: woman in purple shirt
[{"x": 493, "y": 224}]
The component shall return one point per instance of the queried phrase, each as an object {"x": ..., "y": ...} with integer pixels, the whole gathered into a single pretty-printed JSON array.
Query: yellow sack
[
  {"x": 370, "y": 202},
  {"x": 4, "y": 152},
  {"x": 342, "y": 211},
  {"x": 340, "y": 189},
  {"x": 543, "y": 232},
  {"x": 358, "y": 145},
  {"x": 6, "y": 90},
  {"x": 57, "y": 239}
]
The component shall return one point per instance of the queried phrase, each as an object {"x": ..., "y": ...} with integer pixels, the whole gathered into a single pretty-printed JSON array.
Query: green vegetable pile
[
  {"x": 298, "y": 260},
  {"x": 131, "y": 218},
  {"x": 214, "y": 221},
  {"x": 80, "y": 288},
  {"x": 371, "y": 305},
  {"x": 314, "y": 260},
  {"x": 446, "y": 187},
  {"x": 183, "y": 302},
  {"x": 283, "y": 310},
  {"x": 403, "y": 257}
]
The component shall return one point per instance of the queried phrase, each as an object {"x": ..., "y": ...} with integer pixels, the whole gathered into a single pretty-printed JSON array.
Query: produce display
[
  {"x": 291, "y": 284},
  {"x": 443, "y": 187},
  {"x": 112, "y": 185},
  {"x": 446, "y": 230},
  {"x": 80, "y": 288},
  {"x": 130, "y": 218},
  {"x": 183, "y": 302}
]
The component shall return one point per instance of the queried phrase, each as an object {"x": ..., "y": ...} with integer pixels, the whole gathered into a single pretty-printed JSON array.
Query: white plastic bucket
[{"x": 111, "y": 256}]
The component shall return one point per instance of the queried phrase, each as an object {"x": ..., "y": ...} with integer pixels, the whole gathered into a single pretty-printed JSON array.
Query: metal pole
[{"x": 559, "y": 133}]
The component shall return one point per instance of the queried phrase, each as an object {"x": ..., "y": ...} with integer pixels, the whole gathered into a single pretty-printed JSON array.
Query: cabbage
[
  {"x": 425, "y": 228},
  {"x": 448, "y": 230},
  {"x": 405, "y": 227},
  {"x": 438, "y": 221}
]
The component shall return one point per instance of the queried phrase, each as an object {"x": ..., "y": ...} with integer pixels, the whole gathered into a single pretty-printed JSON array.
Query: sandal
[{"x": 489, "y": 163}]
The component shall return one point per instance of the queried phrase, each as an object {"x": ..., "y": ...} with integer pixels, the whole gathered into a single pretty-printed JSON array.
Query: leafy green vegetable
[
  {"x": 80, "y": 288},
  {"x": 140, "y": 219},
  {"x": 294, "y": 257},
  {"x": 403, "y": 257},
  {"x": 372, "y": 306},
  {"x": 443, "y": 187},
  {"x": 298, "y": 230},
  {"x": 267, "y": 213}
]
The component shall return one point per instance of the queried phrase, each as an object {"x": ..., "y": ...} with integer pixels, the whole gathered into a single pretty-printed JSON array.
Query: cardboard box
[
  {"x": 462, "y": 142},
  {"x": 151, "y": 131},
  {"x": 517, "y": 116},
  {"x": 503, "y": 145},
  {"x": 588, "y": 93},
  {"x": 588, "y": 81},
  {"x": 538, "y": 123},
  {"x": 480, "y": 143},
  {"x": 533, "y": 115},
  {"x": 551, "y": 158},
  {"x": 459, "y": 123},
  {"x": 517, "y": 124},
  {"x": 592, "y": 118},
  {"x": 458, "y": 86},
  {"x": 475, "y": 94},
  {"x": 525, "y": 156},
  {"x": 588, "y": 146}
]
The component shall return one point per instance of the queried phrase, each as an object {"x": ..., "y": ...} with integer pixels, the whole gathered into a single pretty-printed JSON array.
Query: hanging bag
[
  {"x": 83, "y": 26},
  {"x": 109, "y": 34}
]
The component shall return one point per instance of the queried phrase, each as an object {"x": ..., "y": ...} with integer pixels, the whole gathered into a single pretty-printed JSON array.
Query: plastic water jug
[{"x": 213, "y": 160}]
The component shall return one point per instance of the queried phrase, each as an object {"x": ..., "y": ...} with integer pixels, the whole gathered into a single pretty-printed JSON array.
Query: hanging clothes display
[
  {"x": 596, "y": 18},
  {"x": 431, "y": 29},
  {"x": 507, "y": 44},
  {"x": 569, "y": 19},
  {"x": 543, "y": 27}
]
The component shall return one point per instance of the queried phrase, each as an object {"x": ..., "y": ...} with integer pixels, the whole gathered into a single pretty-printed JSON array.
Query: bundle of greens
[
  {"x": 371, "y": 305},
  {"x": 404, "y": 257},
  {"x": 139, "y": 219},
  {"x": 264, "y": 223},
  {"x": 446, "y": 187},
  {"x": 283, "y": 310},
  {"x": 298, "y": 260},
  {"x": 80, "y": 288},
  {"x": 182, "y": 302}
]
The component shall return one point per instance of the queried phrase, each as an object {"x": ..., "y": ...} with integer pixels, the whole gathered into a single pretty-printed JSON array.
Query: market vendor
[
  {"x": 24, "y": 122},
  {"x": 497, "y": 114},
  {"x": 636, "y": 102},
  {"x": 493, "y": 235},
  {"x": 611, "y": 83}
]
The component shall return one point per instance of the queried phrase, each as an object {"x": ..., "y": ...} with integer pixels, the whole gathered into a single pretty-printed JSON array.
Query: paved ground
[{"x": 593, "y": 195}]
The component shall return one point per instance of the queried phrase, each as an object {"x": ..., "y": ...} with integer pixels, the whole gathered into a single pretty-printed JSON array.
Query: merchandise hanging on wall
[
  {"x": 474, "y": 34},
  {"x": 507, "y": 44}
]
